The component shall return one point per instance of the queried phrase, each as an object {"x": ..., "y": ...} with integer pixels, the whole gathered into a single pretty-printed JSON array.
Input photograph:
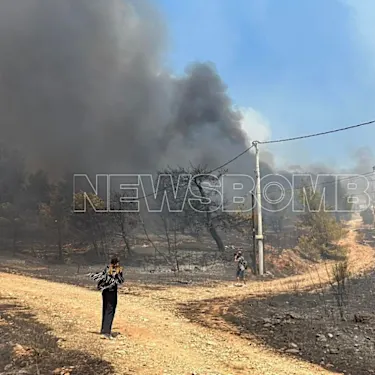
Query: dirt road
[
  {"x": 154, "y": 342},
  {"x": 155, "y": 338}
]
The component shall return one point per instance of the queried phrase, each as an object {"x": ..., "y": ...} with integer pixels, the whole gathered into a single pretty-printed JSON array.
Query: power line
[
  {"x": 320, "y": 184},
  {"x": 211, "y": 171},
  {"x": 333, "y": 181},
  {"x": 276, "y": 141},
  {"x": 318, "y": 134},
  {"x": 232, "y": 160}
]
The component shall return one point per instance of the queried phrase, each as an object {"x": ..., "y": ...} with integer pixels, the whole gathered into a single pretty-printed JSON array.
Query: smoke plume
[{"x": 83, "y": 90}]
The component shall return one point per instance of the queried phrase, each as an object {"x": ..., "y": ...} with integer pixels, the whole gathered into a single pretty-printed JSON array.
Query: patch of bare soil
[
  {"x": 305, "y": 325},
  {"x": 285, "y": 263},
  {"x": 30, "y": 347}
]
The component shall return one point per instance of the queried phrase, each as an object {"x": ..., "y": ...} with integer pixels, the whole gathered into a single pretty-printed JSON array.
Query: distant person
[
  {"x": 241, "y": 266},
  {"x": 108, "y": 281}
]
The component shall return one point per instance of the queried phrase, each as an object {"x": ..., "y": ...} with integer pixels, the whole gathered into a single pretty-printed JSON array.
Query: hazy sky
[{"x": 293, "y": 66}]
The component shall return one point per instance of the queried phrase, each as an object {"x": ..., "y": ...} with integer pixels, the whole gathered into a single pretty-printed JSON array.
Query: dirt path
[
  {"x": 155, "y": 338},
  {"x": 155, "y": 341}
]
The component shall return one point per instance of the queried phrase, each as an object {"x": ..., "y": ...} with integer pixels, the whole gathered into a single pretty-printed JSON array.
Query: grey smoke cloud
[
  {"x": 362, "y": 162},
  {"x": 83, "y": 90}
]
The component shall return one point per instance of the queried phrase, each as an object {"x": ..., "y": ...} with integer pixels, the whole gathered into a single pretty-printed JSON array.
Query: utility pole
[
  {"x": 259, "y": 236},
  {"x": 255, "y": 266}
]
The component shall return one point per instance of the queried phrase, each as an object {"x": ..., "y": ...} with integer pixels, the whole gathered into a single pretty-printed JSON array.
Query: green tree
[{"x": 320, "y": 230}]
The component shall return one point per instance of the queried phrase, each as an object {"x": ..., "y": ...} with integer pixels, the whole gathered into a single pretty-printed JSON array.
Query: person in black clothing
[
  {"x": 108, "y": 282},
  {"x": 241, "y": 266}
]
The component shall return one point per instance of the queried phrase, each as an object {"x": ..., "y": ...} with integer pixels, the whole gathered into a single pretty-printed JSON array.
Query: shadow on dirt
[
  {"x": 306, "y": 325},
  {"x": 28, "y": 344},
  {"x": 114, "y": 334}
]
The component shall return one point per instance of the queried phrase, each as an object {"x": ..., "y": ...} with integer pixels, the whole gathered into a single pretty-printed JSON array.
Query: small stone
[
  {"x": 292, "y": 351},
  {"x": 321, "y": 337},
  {"x": 294, "y": 316},
  {"x": 330, "y": 335},
  {"x": 292, "y": 345}
]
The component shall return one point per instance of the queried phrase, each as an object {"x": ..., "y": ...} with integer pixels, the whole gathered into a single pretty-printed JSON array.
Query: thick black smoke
[{"x": 83, "y": 90}]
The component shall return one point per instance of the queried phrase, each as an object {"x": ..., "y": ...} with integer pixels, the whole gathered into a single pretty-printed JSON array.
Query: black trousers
[{"x": 109, "y": 309}]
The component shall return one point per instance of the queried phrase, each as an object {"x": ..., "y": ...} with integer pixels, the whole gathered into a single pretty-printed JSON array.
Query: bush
[
  {"x": 368, "y": 216},
  {"x": 334, "y": 252},
  {"x": 309, "y": 248}
]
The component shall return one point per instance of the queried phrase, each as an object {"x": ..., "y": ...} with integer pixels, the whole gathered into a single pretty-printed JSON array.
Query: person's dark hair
[{"x": 115, "y": 260}]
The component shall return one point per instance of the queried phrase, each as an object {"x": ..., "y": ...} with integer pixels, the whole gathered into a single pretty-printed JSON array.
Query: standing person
[
  {"x": 241, "y": 266},
  {"x": 108, "y": 282}
]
